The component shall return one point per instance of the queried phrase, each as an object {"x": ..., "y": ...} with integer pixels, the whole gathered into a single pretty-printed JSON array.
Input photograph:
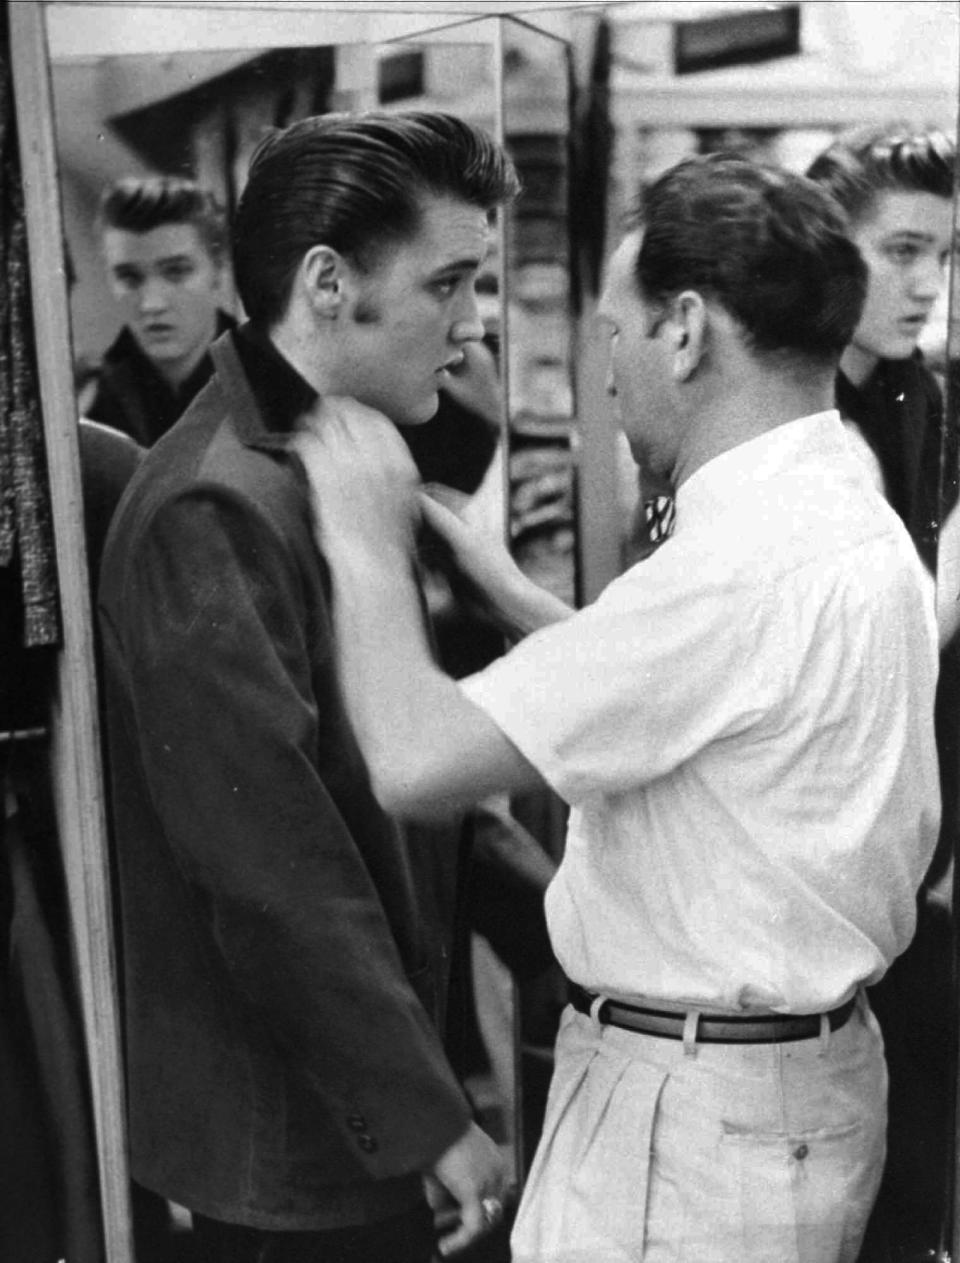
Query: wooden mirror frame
[{"x": 76, "y": 766}]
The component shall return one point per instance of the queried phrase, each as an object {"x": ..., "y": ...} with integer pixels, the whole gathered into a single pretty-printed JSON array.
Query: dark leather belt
[{"x": 712, "y": 1028}]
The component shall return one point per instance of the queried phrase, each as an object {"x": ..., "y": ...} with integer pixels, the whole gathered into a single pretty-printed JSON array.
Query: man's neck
[{"x": 757, "y": 404}]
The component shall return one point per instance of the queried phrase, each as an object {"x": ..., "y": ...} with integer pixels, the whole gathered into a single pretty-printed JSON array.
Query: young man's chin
[
  {"x": 401, "y": 412},
  {"x": 901, "y": 348},
  {"x": 417, "y": 415},
  {"x": 161, "y": 349}
]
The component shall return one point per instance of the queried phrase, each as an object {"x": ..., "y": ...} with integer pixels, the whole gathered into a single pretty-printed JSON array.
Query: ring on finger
[{"x": 492, "y": 1208}]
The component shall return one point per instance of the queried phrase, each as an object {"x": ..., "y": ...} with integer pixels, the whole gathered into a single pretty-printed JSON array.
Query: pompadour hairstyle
[
  {"x": 354, "y": 183},
  {"x": 770, "y": 247},
  {"x": 142, "y": 203},
  {"x": 897, "y": 157}
]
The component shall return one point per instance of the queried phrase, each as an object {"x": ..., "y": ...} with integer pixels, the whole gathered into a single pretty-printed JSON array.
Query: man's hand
[
  {"x": 361, "y": 475},
  {"x": 479, "y": 569},
  {"x": 482, "y": 574},
  {"x": 470, "y": 1175}
]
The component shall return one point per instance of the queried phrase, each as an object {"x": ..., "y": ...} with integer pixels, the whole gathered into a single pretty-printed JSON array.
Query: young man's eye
[
  {"x": 177, "y": 272},
  {"x": 129, "y": 280},
  {"x": 446, "y": 286},
  {"x": 903, "y": 252}
]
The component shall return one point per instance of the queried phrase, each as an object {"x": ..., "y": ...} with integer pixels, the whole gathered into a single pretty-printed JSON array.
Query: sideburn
[{"x": 367, "y": 312}]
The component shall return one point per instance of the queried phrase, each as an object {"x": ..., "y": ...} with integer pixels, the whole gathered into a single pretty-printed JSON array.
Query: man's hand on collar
[{"x": 362, "y": 479}]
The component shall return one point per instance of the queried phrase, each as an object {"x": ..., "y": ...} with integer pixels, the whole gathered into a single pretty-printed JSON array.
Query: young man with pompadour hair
[{"x": 286, "y": 943}]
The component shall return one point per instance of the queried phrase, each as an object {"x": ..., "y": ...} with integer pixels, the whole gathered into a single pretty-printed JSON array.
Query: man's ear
[
  {"x": 689, "y": 327},
  {"x": 322, "y": 274}
]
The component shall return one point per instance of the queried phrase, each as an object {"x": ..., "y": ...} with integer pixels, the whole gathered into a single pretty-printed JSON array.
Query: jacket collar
[{"x": 265, "y": 392}]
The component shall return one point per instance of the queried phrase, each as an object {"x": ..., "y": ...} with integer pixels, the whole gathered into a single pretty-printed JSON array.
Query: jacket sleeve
[{"x": 229, "y": 721}]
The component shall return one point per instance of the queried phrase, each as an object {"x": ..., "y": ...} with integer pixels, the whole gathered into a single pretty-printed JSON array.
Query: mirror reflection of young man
[
  {"x": 286, "y": 946},
  {"x": 164, "y": 249},
  {"x": 896, "y": 183},
  {"x": 741, "y": 724}
]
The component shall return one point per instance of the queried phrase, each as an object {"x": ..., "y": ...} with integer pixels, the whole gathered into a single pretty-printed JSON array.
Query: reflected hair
[
  {"x": 897, "y": 158},
  {"x": 768, "y": 246},
  {"x": 354, "y": 183},
  {"x": 141, "y": 203}
]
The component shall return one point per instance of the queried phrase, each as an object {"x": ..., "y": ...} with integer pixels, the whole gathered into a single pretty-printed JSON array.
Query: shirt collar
[{"x": 725, "y": 478}]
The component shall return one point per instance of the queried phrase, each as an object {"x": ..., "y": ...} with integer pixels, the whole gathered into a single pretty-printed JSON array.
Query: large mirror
[{"x": 591, "y": 99}]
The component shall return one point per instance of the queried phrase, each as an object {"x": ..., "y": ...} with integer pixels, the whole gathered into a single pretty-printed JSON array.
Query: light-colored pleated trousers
[{"x": 714, "y": 1153}]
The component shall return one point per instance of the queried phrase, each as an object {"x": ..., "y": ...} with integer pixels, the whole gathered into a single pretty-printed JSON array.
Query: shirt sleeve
[
  {"x": 229, "y": 720},
  {"x": 627, "y": 689}
]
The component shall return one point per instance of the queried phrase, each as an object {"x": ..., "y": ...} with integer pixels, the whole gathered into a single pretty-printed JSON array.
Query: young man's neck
[
  {"x": 857, "y": 364},
  {"x": 176, "y": 372},
  {"x": 305, "y": 355}
]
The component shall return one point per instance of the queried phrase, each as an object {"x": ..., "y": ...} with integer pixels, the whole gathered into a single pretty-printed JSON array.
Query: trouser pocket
[{"x": 802, "y": 1196}]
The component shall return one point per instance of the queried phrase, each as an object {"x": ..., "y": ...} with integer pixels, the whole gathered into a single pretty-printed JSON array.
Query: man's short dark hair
[
  {"x": 897, "y": 157},
  {"x": 770, "y": 247},
  {"x": 142, "y": 203},
  {"x": 355, "y": 183}
]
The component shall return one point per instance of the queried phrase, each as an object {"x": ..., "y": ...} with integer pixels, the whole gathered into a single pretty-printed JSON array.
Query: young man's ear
[
  {"x": 688, "y": 331},
  {"x": 219, "y": 274},
  {"x": 321, "y": 275}
]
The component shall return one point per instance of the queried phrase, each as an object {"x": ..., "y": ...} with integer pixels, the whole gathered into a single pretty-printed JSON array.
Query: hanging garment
[{"x": 26, "y": 526}]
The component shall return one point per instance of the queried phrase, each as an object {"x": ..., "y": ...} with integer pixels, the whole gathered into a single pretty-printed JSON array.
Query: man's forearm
[
  {"x": 522, "y": 607},
  {"x": 429, "y": 750},
  {"x": 388, "y": 672},
  {"x": 383, "y": 652}
]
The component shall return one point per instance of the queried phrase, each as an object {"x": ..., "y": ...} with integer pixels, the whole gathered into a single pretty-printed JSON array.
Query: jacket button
[
  {"x": 368, "y": 1144},
  {"x": 801, "y": 1152},
  {"x": 357, "y": 1122}
]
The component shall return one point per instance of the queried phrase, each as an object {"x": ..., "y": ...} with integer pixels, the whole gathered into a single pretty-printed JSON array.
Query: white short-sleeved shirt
[{"x": 743, "y": 726}]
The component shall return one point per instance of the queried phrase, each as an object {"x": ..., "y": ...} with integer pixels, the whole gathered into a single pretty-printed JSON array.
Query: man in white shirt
[{"x": 741, "y": 724}]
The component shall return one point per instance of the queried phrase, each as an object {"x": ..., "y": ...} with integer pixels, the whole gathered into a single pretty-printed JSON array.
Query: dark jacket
[
  {"x": 132, "y": 397},
  {"x": 899, "y": 411},
  {"x": 285, "y": 947}
]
